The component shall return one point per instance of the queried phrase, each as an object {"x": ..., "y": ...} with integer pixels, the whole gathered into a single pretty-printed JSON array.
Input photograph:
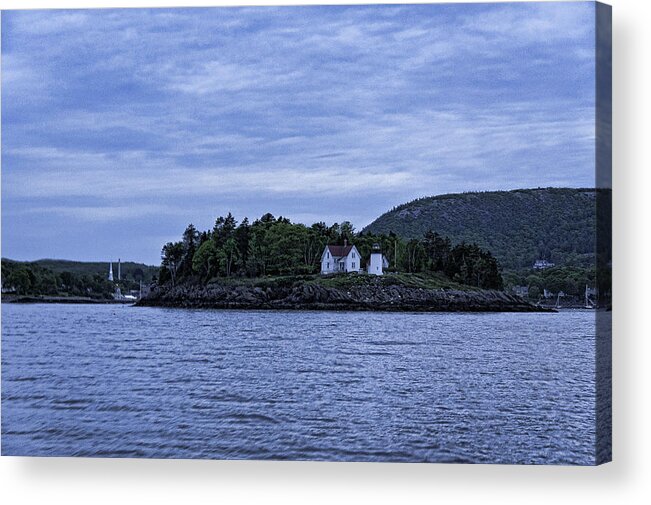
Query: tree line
[
  {"x": 30, "y": 279},
  {"x": 274, "y": 246},
  {"x": 570, "y": 280}
]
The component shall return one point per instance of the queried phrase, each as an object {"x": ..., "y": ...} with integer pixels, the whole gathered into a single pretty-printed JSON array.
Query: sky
[{"x": 120, "y": 127}]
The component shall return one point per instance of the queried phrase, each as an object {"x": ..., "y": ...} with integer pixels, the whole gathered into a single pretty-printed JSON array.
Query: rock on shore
[{"x": 308, "y": 296}]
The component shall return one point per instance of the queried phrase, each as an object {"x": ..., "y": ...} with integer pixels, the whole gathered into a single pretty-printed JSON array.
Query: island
[{"x": 273, "y": 263}]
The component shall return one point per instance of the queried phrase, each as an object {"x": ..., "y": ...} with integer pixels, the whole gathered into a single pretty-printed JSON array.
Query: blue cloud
[{"x": 121, "y": 126}]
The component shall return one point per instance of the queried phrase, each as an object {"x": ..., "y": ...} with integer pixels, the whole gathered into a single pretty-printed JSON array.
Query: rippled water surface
[{"x": 119, "y": 381}]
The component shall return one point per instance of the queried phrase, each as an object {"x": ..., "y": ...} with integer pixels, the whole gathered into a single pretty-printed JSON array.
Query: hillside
[
  {"x": 130, "y": 271},
  {"x": 62, "y": 278},
  {"x": 518, "y": 227}
]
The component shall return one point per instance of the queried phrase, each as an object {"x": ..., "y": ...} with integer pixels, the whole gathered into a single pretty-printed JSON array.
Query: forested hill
[
  {"x": 130, "y": 270},
  {"x": 71, "y": 278},
  {"x": 518, "y": 227}
]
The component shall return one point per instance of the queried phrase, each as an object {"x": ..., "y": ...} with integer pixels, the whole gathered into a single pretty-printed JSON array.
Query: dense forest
[
  {"x": 569, "y": 280},
  {"x": 131, "y": 271},
  {"x": 24, "y": 278},
  {"x": 71, "y": 278},
  {"x": 518, "y": 227},
  {"x": 272, "y": 246}
]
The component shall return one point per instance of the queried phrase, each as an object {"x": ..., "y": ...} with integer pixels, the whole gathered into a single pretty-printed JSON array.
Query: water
[{"x": 119, "y": 381}]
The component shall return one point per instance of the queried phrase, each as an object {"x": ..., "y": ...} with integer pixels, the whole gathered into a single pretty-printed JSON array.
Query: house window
[
  {"x": 328, "y": 256},
  {"x": 353, "y": 264},
  {"x": 353, "y": 257}
]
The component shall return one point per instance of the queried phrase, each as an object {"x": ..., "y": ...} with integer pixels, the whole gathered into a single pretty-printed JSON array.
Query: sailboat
[
  {"x": 558, "y": 300},
  {"x": 588, "y": 303}
]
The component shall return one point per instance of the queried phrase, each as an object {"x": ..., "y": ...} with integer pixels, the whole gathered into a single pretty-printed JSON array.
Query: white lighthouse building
[
  {"x": 110, "y": 276},
  {"x": 378, "y": 262},
  {"x": 340, "y": 258}
]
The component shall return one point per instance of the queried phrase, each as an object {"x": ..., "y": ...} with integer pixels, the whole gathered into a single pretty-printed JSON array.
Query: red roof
[{"x": 339, "y": 251}]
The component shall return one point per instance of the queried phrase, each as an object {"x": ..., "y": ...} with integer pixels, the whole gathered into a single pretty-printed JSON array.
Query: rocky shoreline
[{"x": 306, "y": 296}]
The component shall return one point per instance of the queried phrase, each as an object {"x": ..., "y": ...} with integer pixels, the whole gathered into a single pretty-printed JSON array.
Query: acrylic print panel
[{"x": 400, "y": 238}]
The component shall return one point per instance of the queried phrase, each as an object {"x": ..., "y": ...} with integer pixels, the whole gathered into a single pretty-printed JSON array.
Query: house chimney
[{"x": 345, "y": 242}]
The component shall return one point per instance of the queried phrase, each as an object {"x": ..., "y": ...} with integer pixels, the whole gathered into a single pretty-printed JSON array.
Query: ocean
[{"x": 123, "y": 381}]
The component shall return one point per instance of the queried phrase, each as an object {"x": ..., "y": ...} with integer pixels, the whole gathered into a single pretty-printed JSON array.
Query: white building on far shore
[
  {"x": 378, "y": 262},
  {"x": 542, "y": 264},
  {"x": 340, "y": 258}
]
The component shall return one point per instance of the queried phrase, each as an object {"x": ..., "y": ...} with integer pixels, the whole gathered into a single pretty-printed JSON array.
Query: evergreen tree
[{"x": 172, "y": 256}]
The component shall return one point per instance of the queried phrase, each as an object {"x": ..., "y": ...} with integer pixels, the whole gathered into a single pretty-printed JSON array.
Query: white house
[
  {"x": 340, "y": 258},
  {"x": 542, "y": 264},
  {"x": 378, "y": 262}
]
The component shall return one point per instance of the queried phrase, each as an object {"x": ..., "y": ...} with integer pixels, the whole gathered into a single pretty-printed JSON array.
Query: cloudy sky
[{"x": 119, "y": 127}]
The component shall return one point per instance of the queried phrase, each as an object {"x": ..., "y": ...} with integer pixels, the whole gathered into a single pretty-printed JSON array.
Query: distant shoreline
[{"x": 61, "y": 299}]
